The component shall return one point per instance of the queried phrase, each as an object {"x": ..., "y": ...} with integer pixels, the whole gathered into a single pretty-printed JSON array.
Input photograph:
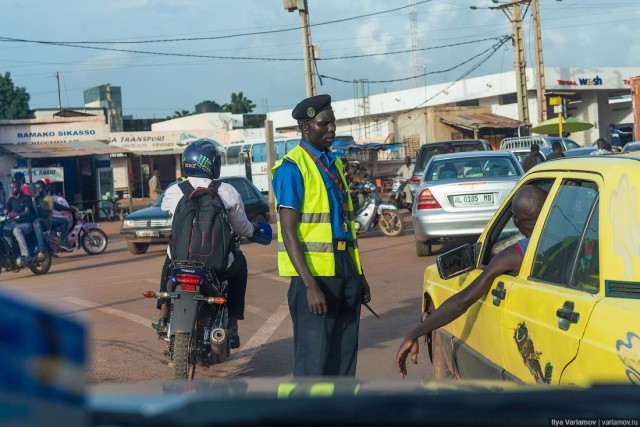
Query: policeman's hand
[
  {"x": 407, "y": 346},
  {"x": 316, "y": 300}
]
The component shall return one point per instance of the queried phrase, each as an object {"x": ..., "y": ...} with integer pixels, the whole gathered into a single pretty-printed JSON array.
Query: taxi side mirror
[{"x": 457, "y": 261}]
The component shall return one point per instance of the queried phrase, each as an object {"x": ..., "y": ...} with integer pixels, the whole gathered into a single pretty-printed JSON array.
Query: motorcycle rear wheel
[
  {"x": 95, "y": 241},
  {"x": 43, "y": 266},
  {"x": 394, "y": 223},
  {"x": 181, "y": 356}
]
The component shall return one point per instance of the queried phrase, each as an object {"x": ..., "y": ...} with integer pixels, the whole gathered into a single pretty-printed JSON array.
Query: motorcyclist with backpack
[{"x": 201, "y": 166}]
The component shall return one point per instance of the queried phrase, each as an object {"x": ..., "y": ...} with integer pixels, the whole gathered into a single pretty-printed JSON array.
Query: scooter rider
[
  {"x": 20, "y": 208},
  {"x": 406, "y": 172},
  {"x": 201, "y": 165}
]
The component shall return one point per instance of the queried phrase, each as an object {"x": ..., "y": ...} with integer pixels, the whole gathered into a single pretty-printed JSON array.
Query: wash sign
[{"x": 55, "y": 174}]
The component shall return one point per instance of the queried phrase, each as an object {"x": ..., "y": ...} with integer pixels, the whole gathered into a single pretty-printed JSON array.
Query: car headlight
[
  {"x": 127, "y": 223},
  {"x": 169, "y": 221}
]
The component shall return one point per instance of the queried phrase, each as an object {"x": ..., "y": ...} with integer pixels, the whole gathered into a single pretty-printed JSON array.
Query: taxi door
[
  {"x": 477, "y": 346},
  {"x": 549, "y": 305}
]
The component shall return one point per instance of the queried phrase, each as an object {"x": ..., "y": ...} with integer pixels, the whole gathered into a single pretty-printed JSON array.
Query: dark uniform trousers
[{"x": 327, "y": 346}]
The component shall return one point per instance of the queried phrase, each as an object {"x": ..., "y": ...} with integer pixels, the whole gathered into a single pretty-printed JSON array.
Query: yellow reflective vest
[{"x": 314, "y": 227}]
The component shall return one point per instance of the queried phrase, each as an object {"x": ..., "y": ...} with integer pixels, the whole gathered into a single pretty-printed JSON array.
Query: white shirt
[
  {"x": 406, "y": 171},
  {"x": 230, "y": 197}
]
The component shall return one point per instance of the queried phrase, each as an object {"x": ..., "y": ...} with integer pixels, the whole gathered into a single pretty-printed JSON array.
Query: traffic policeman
[{"x": 317, "y": 247}]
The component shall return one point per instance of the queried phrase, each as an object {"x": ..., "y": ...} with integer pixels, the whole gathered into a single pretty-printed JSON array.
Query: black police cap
[{"x": 310, "y": 107}]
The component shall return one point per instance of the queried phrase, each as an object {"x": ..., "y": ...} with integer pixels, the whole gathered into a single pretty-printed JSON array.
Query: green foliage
[
  {"x": 238, "y": 105},
  {"x": 14, "y": 101},
  {"x": 178, "y": 114}
]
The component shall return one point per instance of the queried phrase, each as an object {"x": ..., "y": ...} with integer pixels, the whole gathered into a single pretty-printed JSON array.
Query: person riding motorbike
[
  {"x": 201, "y": 164},
  {"x": 20, "y": 210},
  {"x": 406, "y": 172}
]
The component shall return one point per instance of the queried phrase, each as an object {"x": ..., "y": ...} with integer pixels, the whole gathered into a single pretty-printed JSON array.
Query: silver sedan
[{"x": 459, "y": 193}]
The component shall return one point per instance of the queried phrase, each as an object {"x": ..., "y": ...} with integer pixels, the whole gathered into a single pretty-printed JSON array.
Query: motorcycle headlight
[{"x": 127, "y": 223}]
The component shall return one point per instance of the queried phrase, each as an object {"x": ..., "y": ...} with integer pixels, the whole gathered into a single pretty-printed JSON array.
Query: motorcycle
[
  {"x": 197, "y": 332},
  {"x": 83, "y": 234},
  {"x": 397, "y": 196},
  {"x": 372, "y": 211},
  {"x": 10, "y": 257}
]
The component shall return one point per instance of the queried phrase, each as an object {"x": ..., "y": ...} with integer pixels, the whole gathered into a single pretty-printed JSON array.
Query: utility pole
[
  {"x": 59, "y": 98},
  {"x": 309, "y": 74},
  {"x": 109, "y": 118},
  {"x": 540, "y": 83},
  {"x": 515, "y": 14}
]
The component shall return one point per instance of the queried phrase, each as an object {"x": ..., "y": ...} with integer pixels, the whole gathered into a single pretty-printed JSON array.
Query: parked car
[
  {"x": 582, "y": 151},
  {"x": 571, "y": 314},
  {"x": 427, "y": 151},
  {"x": 631, "y": 146},
  {"x": 459, "y": 193},
  {"x": 521, "y": 146},
  {"x": 153, "y": 226}
]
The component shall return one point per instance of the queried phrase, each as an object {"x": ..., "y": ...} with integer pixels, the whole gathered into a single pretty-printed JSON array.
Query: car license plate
[
  {"x": 483, "y": 199},
  {"x": 147, "y": 233}
]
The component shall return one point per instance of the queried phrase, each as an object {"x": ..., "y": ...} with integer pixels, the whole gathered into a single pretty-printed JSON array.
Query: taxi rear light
[{"x": 427, "y": 201}]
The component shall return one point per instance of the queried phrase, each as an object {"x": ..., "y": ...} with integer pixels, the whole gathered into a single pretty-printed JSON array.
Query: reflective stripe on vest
[{"x": 314, "y": 227}]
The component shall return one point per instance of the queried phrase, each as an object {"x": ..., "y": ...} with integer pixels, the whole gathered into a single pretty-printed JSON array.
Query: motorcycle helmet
[{"x": 202, "y": 158}]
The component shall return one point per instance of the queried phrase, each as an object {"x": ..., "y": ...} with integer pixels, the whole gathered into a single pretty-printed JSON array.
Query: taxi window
[
  {"x": 564, "y": 233},
  {"x": 504, "y": 233}
]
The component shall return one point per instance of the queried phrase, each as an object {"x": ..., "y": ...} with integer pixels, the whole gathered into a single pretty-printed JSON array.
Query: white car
[{"x": 459, "y": 193}]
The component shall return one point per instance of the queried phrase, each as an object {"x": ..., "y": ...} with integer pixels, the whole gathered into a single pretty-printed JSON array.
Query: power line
[
  {"x": 236, "y": 35},
  {"x": 496, "y": 46},
  {"x": 248, "y": 58},
  {"x": 409, "y": 50}
]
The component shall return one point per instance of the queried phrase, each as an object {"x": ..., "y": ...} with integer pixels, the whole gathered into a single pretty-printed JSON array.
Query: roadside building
[
  {"x": 70, "y": 151},
  {"x": 481, "y": 107}
]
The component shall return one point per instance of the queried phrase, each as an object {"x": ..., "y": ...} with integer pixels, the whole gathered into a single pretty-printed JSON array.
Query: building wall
[
  {"x": 201, "y": 121},
  {"x": 394, "y": 107}
]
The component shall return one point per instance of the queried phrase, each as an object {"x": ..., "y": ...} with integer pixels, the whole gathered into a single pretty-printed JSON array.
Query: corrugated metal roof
[
  {"x": 67, "y": 149},
  {"x": 480, "y": 121}
]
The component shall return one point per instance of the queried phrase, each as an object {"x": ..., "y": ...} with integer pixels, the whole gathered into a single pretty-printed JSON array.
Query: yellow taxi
[{"x": 571, "y": 315}]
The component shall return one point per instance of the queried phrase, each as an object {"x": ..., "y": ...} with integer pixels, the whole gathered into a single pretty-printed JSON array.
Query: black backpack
[{"x": 200, "y": 230}]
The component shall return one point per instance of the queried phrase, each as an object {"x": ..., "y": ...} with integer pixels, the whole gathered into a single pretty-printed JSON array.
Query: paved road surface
[{"x": 105, "y": 291}]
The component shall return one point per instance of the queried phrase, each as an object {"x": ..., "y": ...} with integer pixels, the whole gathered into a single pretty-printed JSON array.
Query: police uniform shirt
[{"x": 288, "y": 188}]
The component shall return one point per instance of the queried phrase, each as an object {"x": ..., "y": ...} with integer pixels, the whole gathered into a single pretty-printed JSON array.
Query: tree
[
  {"x": 238, "y": 105},
  {"x": 14, "y": 101},
  {"x": 178, "y": 114}
]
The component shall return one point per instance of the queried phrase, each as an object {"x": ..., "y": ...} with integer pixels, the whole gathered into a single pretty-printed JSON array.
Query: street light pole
[
  {"x": 309, "y": 74},
  {"x": 514, "y": 13},
  {"x": 540, "y": 84}
]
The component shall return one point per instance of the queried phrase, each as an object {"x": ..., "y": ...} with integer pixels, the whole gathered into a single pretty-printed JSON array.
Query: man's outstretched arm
[{"x": 507, "y": 260}]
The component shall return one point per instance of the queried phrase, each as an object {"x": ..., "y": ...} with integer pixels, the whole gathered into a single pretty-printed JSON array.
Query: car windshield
[
  {"x": 427, "y": 152},
  {"x": 471, "y": 167}
]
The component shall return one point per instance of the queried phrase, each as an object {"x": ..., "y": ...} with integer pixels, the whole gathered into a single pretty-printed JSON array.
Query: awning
[
  {"x": 481, "y": 121},
  {"x": 177, "y": 150},
  {"x": 343, "y": 147},
  {"x": 67, "y": 149}
]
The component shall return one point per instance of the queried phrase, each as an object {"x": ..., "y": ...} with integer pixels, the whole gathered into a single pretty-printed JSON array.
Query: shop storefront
[
  {"x": 66, "y": 151},
  {"x": 149, "y": 151}
]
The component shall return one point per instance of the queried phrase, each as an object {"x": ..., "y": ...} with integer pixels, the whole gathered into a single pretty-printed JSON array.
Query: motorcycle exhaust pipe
[{"x": 218, "y": 336}]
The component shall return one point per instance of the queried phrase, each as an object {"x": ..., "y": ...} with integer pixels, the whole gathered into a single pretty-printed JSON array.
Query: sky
[{"x": 169, "y": 55}]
